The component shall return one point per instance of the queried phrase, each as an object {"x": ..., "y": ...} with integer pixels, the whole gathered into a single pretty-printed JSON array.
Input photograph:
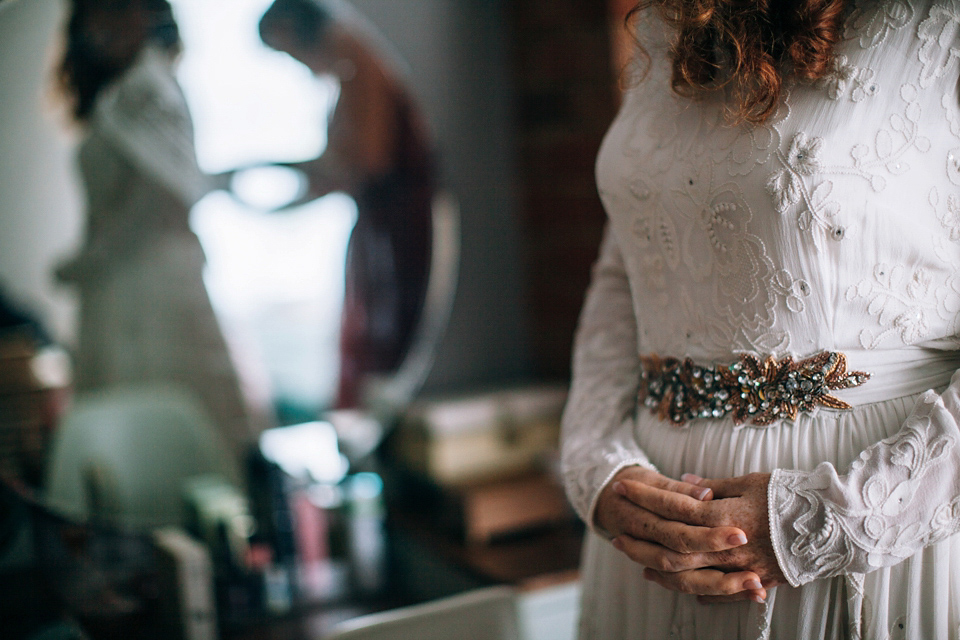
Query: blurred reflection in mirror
[
  {"x": 379, "y": 152},
  {"x": 276, "y": 281},
  {"x": 145, "y": 315},
  {"x": 269, "y": 187}
]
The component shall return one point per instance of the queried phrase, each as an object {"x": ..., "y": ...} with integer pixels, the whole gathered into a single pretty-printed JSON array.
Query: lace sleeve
[
  {"x": 599, "y": 418},
  {"x": 900, "y": 495}
]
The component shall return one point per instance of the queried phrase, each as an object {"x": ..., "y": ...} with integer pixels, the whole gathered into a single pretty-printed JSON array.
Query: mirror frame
[{"x": 388, "y": 397}]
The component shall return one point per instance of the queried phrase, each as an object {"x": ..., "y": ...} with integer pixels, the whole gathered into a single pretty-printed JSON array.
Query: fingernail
[
  {"x": 692, "y": 479},
  {"x": 619, "y": 488},
  {"x": 752, "y": 584},
  {"x": 617, "y": 544},
  {"x": 737, "y": 539},
  {"x": 702, "y": 494},
  {"x": 758, "y": 599}
]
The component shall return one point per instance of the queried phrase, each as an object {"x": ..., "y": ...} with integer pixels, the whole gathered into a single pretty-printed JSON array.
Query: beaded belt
[{"x": 752, "y": 390}]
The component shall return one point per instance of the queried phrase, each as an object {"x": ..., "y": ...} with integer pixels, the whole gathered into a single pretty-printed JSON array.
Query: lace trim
[
  {"x": 776, "y": 533},
  {"x": 899, "y": 496}
]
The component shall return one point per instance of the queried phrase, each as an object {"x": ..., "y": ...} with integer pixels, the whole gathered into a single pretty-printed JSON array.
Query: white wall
[
  {"x": 457, "y": 53},
  {"x": 40, "y": 217}
]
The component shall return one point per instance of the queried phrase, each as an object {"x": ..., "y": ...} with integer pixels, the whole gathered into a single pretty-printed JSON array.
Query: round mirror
[
  {"x": 331, "y": 249},
  {"x": 322, "y": 249},
  {"x": 331, "y": 258}
]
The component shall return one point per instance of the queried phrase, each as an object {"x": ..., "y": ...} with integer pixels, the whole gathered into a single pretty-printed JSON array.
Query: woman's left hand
[{"x": 738, "y": 502}]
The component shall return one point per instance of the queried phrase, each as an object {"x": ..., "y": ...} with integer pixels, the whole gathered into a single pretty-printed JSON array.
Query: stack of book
[{"x": 483, "y": 464}]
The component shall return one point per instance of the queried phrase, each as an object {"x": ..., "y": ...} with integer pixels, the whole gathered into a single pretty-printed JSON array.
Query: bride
[{"x": 776, "y": 308}]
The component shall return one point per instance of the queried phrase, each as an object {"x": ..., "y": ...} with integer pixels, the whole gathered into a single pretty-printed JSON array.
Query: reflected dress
[
  {"x": 145, "y": 315},
  {"x": 834, "y": 227},
  {"x": 388, "y": 256}
]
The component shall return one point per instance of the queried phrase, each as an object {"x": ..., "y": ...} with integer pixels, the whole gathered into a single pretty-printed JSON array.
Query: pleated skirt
[
  {"x": 917, "y": 599},
  {"x": 149, "y": 319}
]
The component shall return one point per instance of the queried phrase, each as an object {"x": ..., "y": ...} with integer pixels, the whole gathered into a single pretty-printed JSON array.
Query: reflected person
[
  {"x": 144, "y": 311},
  {"x": 379, "y": 152}
]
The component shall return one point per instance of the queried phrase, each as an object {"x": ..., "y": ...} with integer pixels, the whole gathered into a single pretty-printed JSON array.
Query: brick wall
[{"x": 563, "y": 57}]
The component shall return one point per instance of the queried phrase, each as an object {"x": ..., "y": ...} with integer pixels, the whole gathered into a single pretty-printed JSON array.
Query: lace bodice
[{"x": 834, "y": 226}]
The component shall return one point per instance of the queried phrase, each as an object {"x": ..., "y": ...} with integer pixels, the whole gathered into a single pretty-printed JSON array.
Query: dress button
[{"x": 838, "y": 232}]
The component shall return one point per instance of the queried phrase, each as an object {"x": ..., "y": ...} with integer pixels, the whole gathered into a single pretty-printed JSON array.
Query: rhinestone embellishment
[{"x": 750, "y": 390}]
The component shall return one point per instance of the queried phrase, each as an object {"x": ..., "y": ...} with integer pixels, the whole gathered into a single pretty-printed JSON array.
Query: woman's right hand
[{"x": 671, "y": 546}]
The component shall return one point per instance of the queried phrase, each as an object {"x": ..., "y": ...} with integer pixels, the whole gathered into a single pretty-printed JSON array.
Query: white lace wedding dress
[
  {"x": 834, "y": 227},
  {"x": 145, "y": 315}
]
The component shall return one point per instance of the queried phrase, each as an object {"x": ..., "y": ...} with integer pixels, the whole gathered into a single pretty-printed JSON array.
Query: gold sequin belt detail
[{"x": 750, "y": 390}]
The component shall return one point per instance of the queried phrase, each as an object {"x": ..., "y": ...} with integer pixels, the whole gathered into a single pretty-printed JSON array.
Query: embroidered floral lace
[{"x": 899, "y": 496}]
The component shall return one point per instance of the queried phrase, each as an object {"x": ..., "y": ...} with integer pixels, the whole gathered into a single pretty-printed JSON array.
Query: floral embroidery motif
[
  {"x": 905, "y": 303},
  {"x": 656, "y": 237},
  {"x": 877, "y": 19},
  {"x": 792, "y": 290},
  {"x": 948, "y": 213},
  {"x": 818, "y": 212},
  {"x": 676, "y": 133},
  {"x": 916, "y": 304},
  {"x": 744, "y": 147},
  {"x": 949, "y": 104},
  {"x": 835, "y": 80},
  {"x": 651, "y": 228},
  {"x": 787, "y": 188},
  {"x": 786, "y": 185},
  {"x": 953, "y": 166},
  {"x": 843, "y": 74},
  {"x": 750, "y": 390},
  {"x": 936, "y": 33},
  {"x": 891, "y": 144},
  {"x": 659, "y": 138},
  {"x": 861, "y": 521},
  {"x": 718, "y": 247},
  {"x": 864, "y": 85}
]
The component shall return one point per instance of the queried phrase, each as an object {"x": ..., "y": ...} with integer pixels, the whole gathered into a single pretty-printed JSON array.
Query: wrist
[{"x": 624, "y": 469}]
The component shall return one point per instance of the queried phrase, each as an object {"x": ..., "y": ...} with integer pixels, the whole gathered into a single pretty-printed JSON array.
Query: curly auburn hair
[{"x": 750, "y": 46}]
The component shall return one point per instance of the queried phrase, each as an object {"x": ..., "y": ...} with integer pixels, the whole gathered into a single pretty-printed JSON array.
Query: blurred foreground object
[
  {"x": 484, "y": 614},
  {"x": 34, "y": 385},
  {"x": 326, "y": 527},
  {"x": 185, "y": 571},
  {"x": 122, "y": 455}
]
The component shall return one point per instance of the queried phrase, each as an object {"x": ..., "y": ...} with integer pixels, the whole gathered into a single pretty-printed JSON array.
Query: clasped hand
[{"x": 710, "y": 538}]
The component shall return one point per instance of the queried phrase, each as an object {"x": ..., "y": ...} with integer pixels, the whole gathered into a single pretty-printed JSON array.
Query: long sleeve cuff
[{"x": 898, "y": 496}]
